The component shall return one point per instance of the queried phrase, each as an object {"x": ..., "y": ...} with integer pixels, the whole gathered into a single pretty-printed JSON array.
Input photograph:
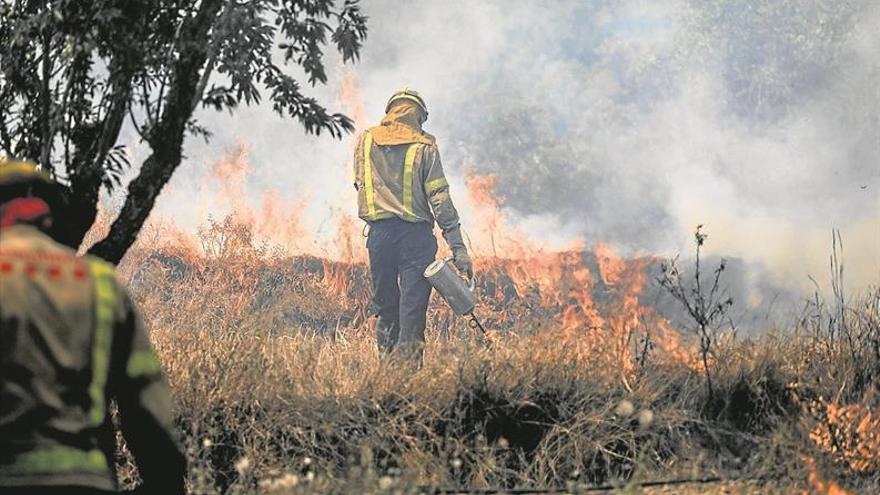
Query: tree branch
[
  {"x": 166, "y": 138},
  {"x": 92, "y": 149},
  {"x": 46, "y": 106},
  {"x": 214, "y": 52},
  {"x": 5, "y": 138}
]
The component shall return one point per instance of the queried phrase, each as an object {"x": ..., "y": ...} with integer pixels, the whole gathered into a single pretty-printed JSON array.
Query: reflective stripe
[
  {"x": 368, "y": 177},
  {"x": 435, "y": 184},
  {"x": 59, "y": 458},
  {"x": 408, "y": 165},
  {"x": 105, "y": 301},
  {"x": 143, "y": 363}
]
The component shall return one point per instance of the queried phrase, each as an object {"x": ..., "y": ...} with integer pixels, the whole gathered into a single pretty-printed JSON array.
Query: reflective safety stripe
[
  {"x": 368, "y": 177},
  {"x": 435, "y": 184},
  {"x": 55, "y": 459},
  {"x": 408, "y": 165},
  {"x": 143, "y": 363},
  {"x": 369, "y": 192},
  {"x": 105, "y": 302},
  {"x": 383, "y": 215}
]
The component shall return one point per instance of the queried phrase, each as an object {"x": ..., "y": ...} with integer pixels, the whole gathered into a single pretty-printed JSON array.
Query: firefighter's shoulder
[{"x": 25, "y": 251}]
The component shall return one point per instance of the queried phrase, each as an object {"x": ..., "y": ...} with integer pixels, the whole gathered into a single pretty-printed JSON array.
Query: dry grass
[{"x": 279, "y": 389}]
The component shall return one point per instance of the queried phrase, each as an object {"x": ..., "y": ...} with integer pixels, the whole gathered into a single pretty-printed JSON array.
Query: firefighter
[
  {"x": 401, "y": 192},
  {"x": 70, "y": 340}
]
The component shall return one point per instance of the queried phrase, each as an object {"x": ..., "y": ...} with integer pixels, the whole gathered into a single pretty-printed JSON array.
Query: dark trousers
[{"x": 399, "y": 253}]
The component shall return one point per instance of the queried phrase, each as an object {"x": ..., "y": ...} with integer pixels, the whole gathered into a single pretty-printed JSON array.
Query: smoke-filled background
[{"x": 627, "y": 122}]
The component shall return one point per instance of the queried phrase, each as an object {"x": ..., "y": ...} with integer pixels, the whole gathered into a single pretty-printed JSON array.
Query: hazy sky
[{"x": 619, "y": 121}]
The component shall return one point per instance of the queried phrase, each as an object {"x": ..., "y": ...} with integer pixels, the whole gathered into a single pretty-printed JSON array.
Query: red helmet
[{"x": 21, "y": 180}]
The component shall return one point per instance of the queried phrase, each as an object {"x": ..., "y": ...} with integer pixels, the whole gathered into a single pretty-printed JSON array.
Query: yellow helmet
[
  {"x": 25, "y": 179},
  {"x": 405, "y": 93},
  {"x": 15, "y": 172}
]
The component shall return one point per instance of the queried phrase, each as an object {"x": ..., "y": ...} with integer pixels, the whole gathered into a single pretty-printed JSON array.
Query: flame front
[
  {"x": 593, "y": 297},
  {"x": 590, "y": 300}
]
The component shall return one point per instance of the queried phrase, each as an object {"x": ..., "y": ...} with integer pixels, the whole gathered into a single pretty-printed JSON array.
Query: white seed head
[
  {"x": 242, "y": 465},
  {"x": 289, "y": 480},
  {"x": 385, "y": 482},
  {"x": 285, "y": 482},
  {"x": 645, "y": 418},
  {"x": 625, "y": 409}
]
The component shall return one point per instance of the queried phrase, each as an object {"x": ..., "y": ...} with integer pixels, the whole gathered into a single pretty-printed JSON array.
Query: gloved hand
[
  {"x": 460, "y": 256},
  {"x": 462, "y": 261}
]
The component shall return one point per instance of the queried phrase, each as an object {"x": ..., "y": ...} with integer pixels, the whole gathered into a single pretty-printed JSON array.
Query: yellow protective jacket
[
  {"x": 70, "y": 340},
  {"x": 397, "y": 173}
]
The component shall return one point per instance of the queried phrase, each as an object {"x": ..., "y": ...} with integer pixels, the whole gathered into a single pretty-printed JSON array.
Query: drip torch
[{"x": 452, "y": 287}]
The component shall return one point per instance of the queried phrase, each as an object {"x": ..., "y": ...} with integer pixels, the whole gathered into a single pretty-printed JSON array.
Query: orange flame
[
  {"x": 565, "y": 280},
  {"x": 277, "y": 221},
  {"x": 851, "y": 433},
  {"x": 818, "y": 485},
  {"x": 350, "y": 97}
]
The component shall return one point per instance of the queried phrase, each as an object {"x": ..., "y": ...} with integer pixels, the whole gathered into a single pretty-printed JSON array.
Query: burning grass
[{"x": 279, "y": 388}]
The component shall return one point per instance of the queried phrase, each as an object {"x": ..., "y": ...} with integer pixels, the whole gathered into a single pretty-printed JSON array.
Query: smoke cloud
[{"x": 628, "y": 122}]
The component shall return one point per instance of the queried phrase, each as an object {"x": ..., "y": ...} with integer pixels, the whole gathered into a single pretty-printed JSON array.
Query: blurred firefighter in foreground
[
  {"x": 70, "y": 340},
  {"x": 401, "y": 192}
]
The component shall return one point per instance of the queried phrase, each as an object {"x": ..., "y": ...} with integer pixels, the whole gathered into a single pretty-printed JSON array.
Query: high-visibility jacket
[
  {"x": 70, "y": 340},
  {"x": 398, "y": 173}
]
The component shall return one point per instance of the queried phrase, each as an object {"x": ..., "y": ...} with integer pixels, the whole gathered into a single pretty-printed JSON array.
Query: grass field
[{"x": 279, "y": 388}]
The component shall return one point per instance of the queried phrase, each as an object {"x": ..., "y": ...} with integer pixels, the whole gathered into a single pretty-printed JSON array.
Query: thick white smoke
[{"x": 621, "y": 121}]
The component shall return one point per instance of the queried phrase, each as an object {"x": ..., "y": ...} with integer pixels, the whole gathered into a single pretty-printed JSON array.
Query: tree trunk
[
  {"x": 166, "y": 139},
  {"x": 93, "y": 147},
  {"x": 78, "y": 219}
]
